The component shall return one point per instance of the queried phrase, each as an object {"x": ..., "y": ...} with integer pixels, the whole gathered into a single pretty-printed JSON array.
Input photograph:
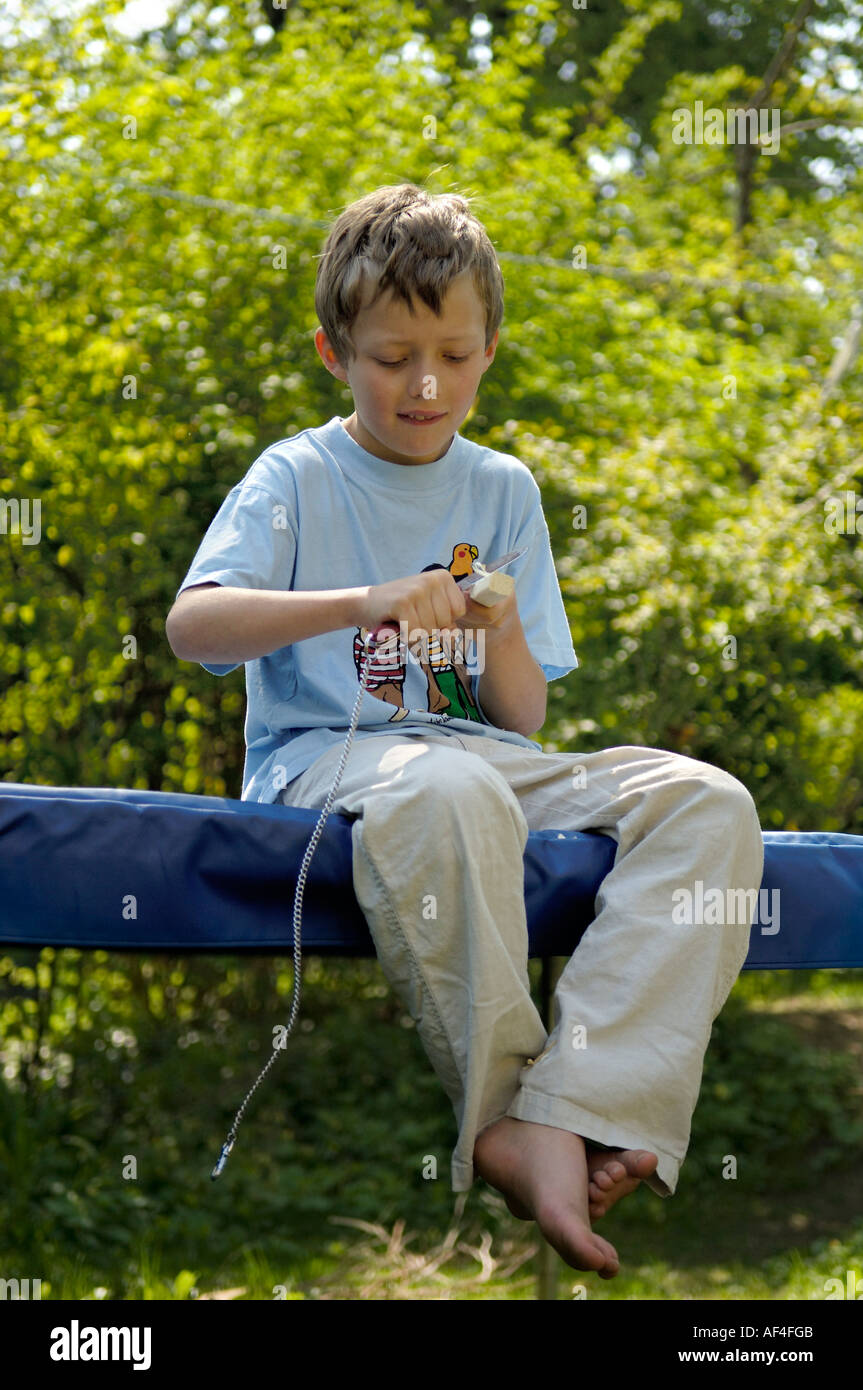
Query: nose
[{"x": 423, "y": 386}]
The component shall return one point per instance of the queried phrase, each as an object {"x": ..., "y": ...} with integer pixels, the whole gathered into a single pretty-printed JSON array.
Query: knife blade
[{"x": 470, "y": 579}]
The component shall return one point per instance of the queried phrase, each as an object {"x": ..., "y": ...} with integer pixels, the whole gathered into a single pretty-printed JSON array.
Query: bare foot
[
  {"x": 542, "y": 1173},
  {"x": 614, "y": 1173}
]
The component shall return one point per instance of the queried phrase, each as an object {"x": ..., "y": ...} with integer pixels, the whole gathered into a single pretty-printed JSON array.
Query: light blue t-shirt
[{"x": 317, "y": 511}]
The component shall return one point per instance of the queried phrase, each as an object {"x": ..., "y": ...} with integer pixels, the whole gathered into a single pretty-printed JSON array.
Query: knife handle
[{"x": 378, "y": 632}]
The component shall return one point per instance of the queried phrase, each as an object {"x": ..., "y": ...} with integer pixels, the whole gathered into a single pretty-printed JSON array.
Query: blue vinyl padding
[{"x": 213, "y": 874}]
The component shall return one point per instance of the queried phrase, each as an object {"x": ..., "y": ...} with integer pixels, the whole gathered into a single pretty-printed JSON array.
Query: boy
[{"x": 376, "y": 517}]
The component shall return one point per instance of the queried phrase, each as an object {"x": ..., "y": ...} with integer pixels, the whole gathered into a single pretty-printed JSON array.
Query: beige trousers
[{"x": 440, "y": 827}]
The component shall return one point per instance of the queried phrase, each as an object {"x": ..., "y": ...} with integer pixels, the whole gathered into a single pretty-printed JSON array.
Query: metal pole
[{"x": 549, "y": 1260}]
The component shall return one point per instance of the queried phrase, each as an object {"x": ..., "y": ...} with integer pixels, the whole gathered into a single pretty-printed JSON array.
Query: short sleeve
[
  {"x": 540, "y": 602},
  {"x": 251, "y": 543}
]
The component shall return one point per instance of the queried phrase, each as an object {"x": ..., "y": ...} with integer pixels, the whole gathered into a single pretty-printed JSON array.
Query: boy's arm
[
  {"x": 222, "y": 625},
  {"x": 512, "y": 687}
]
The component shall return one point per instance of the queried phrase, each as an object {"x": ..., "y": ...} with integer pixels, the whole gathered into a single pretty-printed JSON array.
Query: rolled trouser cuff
[{"x": 542, "y": 1109}]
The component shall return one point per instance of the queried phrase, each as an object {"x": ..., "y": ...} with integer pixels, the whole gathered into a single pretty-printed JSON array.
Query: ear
[
  {"x": 328, "y": 356},
  {"x": 490, "y": 351}
]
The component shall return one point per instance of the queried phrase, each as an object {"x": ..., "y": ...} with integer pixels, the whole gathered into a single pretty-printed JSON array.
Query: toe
[
  {"x": 642, "y": 1163},
  {"x": 612, "y": 1263}
]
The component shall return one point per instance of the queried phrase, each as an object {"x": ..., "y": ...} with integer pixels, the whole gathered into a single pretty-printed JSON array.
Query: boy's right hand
[{"x": 431, "y": 601}]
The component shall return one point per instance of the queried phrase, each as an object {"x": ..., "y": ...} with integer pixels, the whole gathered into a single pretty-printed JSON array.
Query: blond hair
[{"x": 402, "y": 238}]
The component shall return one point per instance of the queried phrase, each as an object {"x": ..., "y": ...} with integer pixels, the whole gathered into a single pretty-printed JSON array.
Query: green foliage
[
  {"x": 152, "y": 1070},
  {"x": 767, "y": 1100}
]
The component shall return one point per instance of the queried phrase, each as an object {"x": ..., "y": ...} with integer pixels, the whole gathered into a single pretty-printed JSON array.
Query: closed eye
[{"x": 402, "y": 359}]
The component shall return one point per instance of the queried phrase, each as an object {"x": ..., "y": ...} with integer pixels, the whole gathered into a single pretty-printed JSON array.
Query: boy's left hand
[{"x": 499, "y": 620}]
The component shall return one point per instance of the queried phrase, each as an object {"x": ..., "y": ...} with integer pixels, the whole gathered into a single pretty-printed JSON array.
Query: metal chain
[{"x": 298, "y": 899}]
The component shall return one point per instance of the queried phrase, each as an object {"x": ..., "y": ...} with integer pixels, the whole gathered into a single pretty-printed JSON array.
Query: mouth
[{"x": 420, "y": 417}]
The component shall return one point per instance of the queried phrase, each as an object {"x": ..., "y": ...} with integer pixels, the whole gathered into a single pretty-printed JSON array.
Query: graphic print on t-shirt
[{"x": 447, "y": 677}]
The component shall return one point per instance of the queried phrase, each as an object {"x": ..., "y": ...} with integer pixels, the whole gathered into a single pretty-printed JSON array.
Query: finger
[{"x": 442, "y": 611}]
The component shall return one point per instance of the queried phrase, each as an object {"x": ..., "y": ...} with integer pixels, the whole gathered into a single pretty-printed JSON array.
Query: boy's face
[{"x": 437, "y": 365}]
